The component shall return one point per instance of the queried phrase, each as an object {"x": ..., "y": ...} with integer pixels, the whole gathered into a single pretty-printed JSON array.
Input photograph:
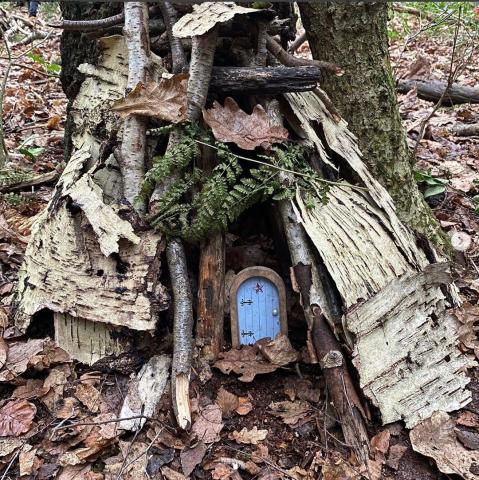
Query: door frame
[{"x": 240, "y": 277}]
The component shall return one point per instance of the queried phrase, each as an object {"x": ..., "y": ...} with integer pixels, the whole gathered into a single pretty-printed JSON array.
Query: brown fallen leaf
[
  {"x": 244, "y": 406},
  {"x": 191, "y": 457},
  {"x": 27, "y": 460},
  {"x": 468, "y": 419},
  {"x": 9, "y": 445},
  {"x": 246, "y": 362},
  {"x": 19, "y": 356},
  {"x": 339, "y": 470},
  {"x": 230, "y": 124},
  {"x": 436, "y": 438},
  {"x": 290, "y": 412},
  {"x": 396, "y": 452},
  {"x": 249, "y": 437},
  {"x": 32, "y": 388},
  {"x": 16, "y": 417},
  {"x": 380, "y": 443},
  {"x": 3, "y": 352},
  {"x": 165, "y": 100},
  {"x": 171, "y": 474},
  {"x": 221, "y": 471},
  {"x": 89, "y": 396},
  {"x": 278, "y": 351},
  {"x": 208, "y": 424},
  {"x": 227, "y": 401},
  {"x": 301, "y": 388},
  {"x": 469, "y": 439}
]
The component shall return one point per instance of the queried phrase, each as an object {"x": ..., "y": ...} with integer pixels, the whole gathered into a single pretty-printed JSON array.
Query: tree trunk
[{"x": 354, "y": 36}]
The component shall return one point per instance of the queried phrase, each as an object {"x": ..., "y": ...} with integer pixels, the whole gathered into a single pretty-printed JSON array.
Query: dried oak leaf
[
  {"x": 227, "y": 401},
  {"x": 246, "y": 362},
  {"x": 89, "y": 396},
  {"x": 244, "y": 406},
  {"x": 290, "y": 412},
  {"x": 165, "y": 100},
  {"x": 231, "y": 124},
  {"x": 16, "y": 418},
  {"x": 249, "y": 437},
  {"x": 208, "y": 424},
  {"x": 436, "y": 438},
  {"x": 278, "y": 351},
  {"x": 19, "y": 356}
]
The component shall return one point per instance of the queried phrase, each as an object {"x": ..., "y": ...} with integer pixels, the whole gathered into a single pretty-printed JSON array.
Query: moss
[{"x": 355, "y": 37}]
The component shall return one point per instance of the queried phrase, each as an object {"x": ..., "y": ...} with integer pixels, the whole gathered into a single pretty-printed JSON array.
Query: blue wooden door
[{"x": 258, "y": 310}]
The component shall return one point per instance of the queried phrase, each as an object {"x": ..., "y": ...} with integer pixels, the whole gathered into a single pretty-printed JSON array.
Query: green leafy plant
[
  {"x": 10, "y": 175},
  {"x": 31, "y": 152},
  {"x": 197, "y": 204},
  {"x": 14, "y": 199},
  {"x": 53, "y": 68},
  {"x": 431, "y": 186}
]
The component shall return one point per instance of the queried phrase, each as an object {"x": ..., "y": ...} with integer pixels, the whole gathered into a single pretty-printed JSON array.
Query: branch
[
  {"x": 414, "y": 11},
  {"x": 44, "y": 179},
  {"x": 83, "y": 25},
  {"x": 133, "y": 146},
  {"x": 170, "y": 17},
  {"x": 297, "y": 42},
  {"x": 182, "y": 332},
  {"x": 291, "y": 61}
]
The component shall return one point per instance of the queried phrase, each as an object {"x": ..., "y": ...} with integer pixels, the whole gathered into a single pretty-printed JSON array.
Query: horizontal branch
[
  {"x": 264, "y": 80},
  {"x": 433, "y": 90},
  {"x": 44, "y": 179},
  {"x": 82, "y": 25}
]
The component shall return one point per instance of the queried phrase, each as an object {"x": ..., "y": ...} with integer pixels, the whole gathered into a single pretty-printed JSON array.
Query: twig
[
  {"x": 83, "y": 25},
  {"x": 299, "y": 174},
  {"x": 114, "y": 420},
  {"x": 297, "y": 42},
  {"x": 3, "y": 146},
  {"x": 291, "y": 61},
  {"x": 46, "y": 74},
  {"x": 133, "y": 440},
  {"x": 414, "y": 11},
  {"x": 450, "y": 81}
]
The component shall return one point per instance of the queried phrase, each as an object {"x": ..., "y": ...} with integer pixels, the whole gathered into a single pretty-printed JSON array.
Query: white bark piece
[
  {"x": 403, "y": 339},
  {"x": 308, "y": 108},
  {"x": 87, "y": 341},
  {"x": 66, "y": 268},
  {"x": 145, "y": 392},
  {"x": 207, "y": 15}
]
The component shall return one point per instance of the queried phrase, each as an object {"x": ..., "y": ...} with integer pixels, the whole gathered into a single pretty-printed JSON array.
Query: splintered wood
[{"x": 404, "y": 341}]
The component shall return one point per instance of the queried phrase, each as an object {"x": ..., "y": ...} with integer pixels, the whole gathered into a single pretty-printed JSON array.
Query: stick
[
  {"x": 36, "y": 181},
  {"x": 132, "y": 150},
  {"x": 182, "y": 332},
  {"x": 202, "y": 55},
  {"x": 297, "y": 42},
  {"x": 414, "y": 11},
  {"x": 170, "y": 17},
  {"x": 321, "y": 341},
  {"x": 83, "y": 25},
  {"x": 291, "y": 61},
  {"x": 471, "y": 130}
]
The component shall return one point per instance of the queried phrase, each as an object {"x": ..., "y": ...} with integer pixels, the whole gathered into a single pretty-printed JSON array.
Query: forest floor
[{"x": 56, "y": 415}]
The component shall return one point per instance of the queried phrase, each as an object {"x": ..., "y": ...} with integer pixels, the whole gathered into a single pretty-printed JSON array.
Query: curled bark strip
[
  {"x": 202, "y": 55},
  {"x": 84, "y": 25},
  {"x": 132, "y": 150},
  {"x": 291, "y": 61},
  {"x": 170, "y": 17},
  {"x": 182, "y": 332}
]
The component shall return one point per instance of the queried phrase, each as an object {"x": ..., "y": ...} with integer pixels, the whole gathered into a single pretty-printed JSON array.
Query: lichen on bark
[{"x": 354, "y": 36}]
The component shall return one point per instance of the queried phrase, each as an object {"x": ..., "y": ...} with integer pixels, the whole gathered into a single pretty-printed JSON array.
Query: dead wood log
[
  {"x": 414, "y": 11},
  {"x": 38, "y": 180},
  {"x": 264, "y": 80},
  {"x": 291, "y": 61},
  {"x": 182, "y": 332},
  {"x": 471, "y": 130},
  {"x": 433, "y": 90},
  {"x": 132, "y": 150}
]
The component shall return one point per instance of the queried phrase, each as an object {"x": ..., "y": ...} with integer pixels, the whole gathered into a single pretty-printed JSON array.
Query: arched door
[
  {"x": 258, "y": 308},
  {"x": 257, "y": 301}
]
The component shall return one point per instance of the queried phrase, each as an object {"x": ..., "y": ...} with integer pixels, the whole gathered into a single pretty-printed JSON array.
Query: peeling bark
[{"x": 170, "y": 17}]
